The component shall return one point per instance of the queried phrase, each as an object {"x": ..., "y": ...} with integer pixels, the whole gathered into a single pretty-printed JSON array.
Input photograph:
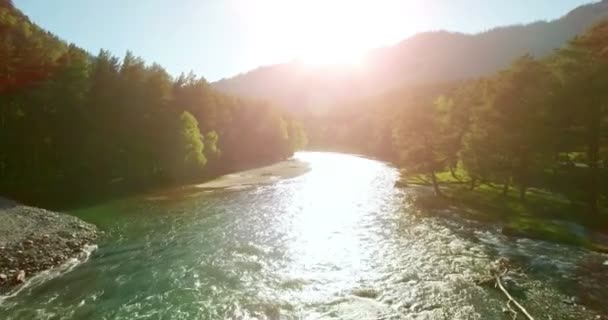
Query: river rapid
[{"x": 339, "y": 242}]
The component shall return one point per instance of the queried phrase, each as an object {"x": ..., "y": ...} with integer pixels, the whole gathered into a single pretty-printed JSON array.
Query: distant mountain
[{"x": 424, "y": 58}]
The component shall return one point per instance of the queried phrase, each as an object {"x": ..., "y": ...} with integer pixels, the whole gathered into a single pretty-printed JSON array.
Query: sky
[{"x": 221, "y": 38}]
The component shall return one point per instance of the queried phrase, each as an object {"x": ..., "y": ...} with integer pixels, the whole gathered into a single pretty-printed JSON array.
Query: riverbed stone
[
  {"x": 366, "y": 293},
  {"x": 20, "y": 278},
  {"x": 34, "y": 240}
]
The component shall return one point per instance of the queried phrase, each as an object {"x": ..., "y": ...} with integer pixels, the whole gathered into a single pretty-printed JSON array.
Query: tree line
[
  {"x": 541, "y": 123},
  {"x": 75, "y": 126}
]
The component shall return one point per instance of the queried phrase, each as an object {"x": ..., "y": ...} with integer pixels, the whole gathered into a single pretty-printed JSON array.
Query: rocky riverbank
[{"x": 33, "y": 240}]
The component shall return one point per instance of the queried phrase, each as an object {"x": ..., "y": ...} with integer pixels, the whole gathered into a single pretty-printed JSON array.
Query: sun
[
  {"x": 332, "y": 35},
  {"x": 322, "y": 32},
  {"x": 332, "y": 55}
]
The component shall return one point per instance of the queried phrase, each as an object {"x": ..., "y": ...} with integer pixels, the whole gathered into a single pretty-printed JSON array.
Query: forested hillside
[
  {"x": 422, "y": 59},
  {"x": 540, "y": 123},
  {"x": 75, "y": 126}
]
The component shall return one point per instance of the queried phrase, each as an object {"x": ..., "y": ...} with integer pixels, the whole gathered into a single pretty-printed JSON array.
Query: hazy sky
[{"x": 220, "y": 38}]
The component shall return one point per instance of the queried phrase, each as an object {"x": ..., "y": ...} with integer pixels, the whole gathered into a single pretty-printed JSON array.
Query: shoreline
[
  {"x": 283, "y": 170},
  {"x": 527, "y": 224},
  {"x": 34, "y": 240},
  {"x": 264, "y": 175}
]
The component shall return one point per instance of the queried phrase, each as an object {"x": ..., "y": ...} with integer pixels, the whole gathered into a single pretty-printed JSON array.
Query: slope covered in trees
[
  {"x": 75, "y": 126},
  {"x": 540, "y": 123},
  {"x": 422, "y": 59}
]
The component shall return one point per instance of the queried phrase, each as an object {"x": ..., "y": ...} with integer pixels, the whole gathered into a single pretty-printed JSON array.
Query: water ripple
[{"x": 336, "y": 243}]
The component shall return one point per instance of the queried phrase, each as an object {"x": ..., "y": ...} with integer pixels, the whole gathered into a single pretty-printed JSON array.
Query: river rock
[
  {"x": 3, "y": 277},
  {"x": 20, "y": 278},
  {"x": 571, "y": 300},
  {"x": 66, "y": 235},
  {"x": 366, "y": 293},
  {"x": 44, "y": 239},
  {"x": 34, "y": 240}
]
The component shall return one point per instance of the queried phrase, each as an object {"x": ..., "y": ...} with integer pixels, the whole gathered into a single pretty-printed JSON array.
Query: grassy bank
[{"x": 543, "y": 215}]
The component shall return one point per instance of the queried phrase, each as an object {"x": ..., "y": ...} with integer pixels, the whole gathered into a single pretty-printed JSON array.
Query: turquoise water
[{"x": 338, "y": 242}]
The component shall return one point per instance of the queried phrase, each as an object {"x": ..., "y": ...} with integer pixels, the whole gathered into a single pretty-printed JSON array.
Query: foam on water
[{"x": 46, "y": 275}]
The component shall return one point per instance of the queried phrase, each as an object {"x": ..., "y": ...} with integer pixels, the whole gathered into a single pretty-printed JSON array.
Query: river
[{"x": 339, "y": 242}]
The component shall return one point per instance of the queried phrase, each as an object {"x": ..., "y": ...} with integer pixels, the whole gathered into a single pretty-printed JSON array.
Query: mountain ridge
[{"x": 447, "y": 56}]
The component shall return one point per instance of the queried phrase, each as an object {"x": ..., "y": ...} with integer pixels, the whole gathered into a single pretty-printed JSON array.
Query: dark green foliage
[{"x": 75, "y": 127}]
